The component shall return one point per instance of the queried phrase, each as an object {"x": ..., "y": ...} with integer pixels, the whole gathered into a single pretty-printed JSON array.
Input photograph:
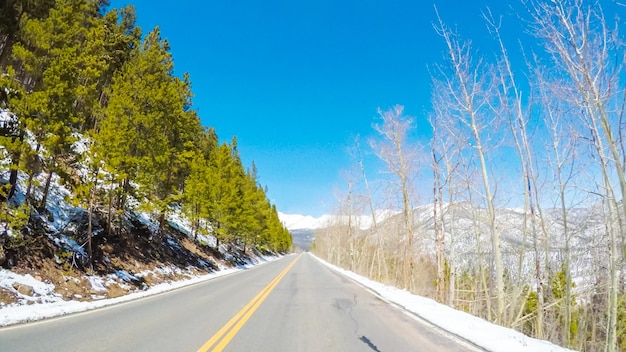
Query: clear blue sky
[{"x": 295, "y": 81}]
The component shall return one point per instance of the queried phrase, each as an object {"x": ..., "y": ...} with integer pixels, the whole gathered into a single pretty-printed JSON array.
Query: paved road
[{"x": 293, "y": 304}]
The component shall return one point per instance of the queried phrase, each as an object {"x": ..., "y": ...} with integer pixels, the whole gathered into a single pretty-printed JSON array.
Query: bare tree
[
  {"x": 562, "y": 145},
  {"x": 438, "y": 223},
  {"x": 511, "y": 105},
  {"x": 466, "y": 86},
  {"x": 399, "y": 157},
  {"x": 378, "y": 254},
  {"x": 581, "y": 45},
  {"x": 444, "y": 150}
]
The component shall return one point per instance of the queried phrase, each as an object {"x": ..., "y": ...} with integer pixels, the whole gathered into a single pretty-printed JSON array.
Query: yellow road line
[{"x": 244, "y": 314}]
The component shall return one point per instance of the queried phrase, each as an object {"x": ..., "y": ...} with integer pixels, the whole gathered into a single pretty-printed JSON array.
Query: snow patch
[
  {"x": 97, "y": 283},
  {"x": 42, "y": 292}
]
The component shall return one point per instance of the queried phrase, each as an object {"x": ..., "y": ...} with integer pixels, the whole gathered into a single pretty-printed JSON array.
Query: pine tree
[
  {"x": 61, "y": 60},
  {"x": 169, "y": 126},
  {"x": 12, "y": 13},
  {"x": 225, "y": 193},
  {"x": 197, "y": 202},
  {"x": 252, "y": 202},
  {"x": 149, "y": 132},
  {"x": 122, "y": 38},
  {"x": 12, "y": 131}
]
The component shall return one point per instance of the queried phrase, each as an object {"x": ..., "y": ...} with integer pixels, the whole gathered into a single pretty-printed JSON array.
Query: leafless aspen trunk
[
  {"x": 439, "y": 231},
  {"x": 466, "y": 85},
  {"x": 510, "y": 103},
  {"x": 378, "y": 255},
  {"x": 449, "y": 214},
  {"x": 399, "y": 158},
  {"x": 444, "y": 166},
  {"x": 510, "y": 106},
  {"x": 563, "y": 163},
  {"x": 582, "y": 45}
]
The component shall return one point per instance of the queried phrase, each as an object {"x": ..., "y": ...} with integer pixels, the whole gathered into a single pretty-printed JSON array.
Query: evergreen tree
[
  {"x": 122, "y": 38},
  {"x": 61, "y": 60},
  {"x": 11, "y": 131},
  {"x": 11, "y": 14},
  {"x": 251, "y": 204},
  {"x": 197, "y": 202},
  {"x": 169, "y": 127},
  {"x": 149, "y": 133},
  {"x": 225, "y": 193},
  {"x": 88, "y": 75}
]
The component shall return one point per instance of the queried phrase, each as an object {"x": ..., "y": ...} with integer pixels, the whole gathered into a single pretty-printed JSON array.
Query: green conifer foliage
[
  {"x": 225, "y": 193},
  {"x": 61, "y": 59},
  {"x": 77, "y": 71},
  {"x": 149, "y": 133},
  {"x": 198, "y": 201},
  {"x": 121, "y": 38},
  {"x": 12, "y": 12}
]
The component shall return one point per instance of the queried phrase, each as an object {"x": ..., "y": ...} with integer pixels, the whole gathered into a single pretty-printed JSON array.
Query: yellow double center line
[{"x": 226, "y": 333}]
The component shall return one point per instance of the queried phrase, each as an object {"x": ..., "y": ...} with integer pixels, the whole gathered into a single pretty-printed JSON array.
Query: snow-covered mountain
[
  {"x": 307, "y": 222},
  {"x": 466, "y": 230},
  {"x": 302, "y": 227},
  {"x": 300, "y": 222}
]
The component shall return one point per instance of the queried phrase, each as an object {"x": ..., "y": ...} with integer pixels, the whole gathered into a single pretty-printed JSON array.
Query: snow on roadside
[
  {"x": 42, "y": 292},
  {"x": 47, "y": 304},
  {"x": 482, "y": 333}
]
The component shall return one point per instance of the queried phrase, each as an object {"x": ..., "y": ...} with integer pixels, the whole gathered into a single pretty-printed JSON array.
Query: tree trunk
[
  {"x": 13, "y": 183},
  {"x": 468, "y": 87},
  {"x": 6, "y": 50},
  {"x": 538, "y": 279},
  {"x": 439, "y": 234},
  {"x": 15, "y": 162},
  {"x": 110, "y": 210},
  {"x": 46, "y": 190},
  {"x": 90, "y": 230},
  {"x": 377, "y": 256},
  {"x": 161, "y": 224},
  {"x": 31, "y": 174}
]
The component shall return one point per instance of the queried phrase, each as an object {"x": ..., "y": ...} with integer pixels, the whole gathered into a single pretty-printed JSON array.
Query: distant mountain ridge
[
  {"x": 462, "y": 221},
  {"x": 303, "y": 222},
  {"x": 308, "y": 222}
]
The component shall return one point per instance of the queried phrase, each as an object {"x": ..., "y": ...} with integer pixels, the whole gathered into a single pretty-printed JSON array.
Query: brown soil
[{"x": 7, "y": 297}]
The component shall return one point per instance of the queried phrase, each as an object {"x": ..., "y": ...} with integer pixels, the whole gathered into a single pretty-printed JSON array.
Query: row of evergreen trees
[{"x": 73, "y": 69}]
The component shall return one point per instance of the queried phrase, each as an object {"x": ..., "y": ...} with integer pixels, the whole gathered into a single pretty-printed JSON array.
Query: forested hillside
[{"x": 90, "y": 104}]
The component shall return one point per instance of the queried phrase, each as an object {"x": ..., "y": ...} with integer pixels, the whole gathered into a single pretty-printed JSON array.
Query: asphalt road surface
[{"x": 293, "y": 304}]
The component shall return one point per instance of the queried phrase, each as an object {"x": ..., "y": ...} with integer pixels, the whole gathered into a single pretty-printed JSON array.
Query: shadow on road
[{"x": 369, "y": 343}]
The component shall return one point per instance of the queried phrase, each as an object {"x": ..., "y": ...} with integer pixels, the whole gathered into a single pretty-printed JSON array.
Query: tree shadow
[{"x": 369, "y": 343}]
